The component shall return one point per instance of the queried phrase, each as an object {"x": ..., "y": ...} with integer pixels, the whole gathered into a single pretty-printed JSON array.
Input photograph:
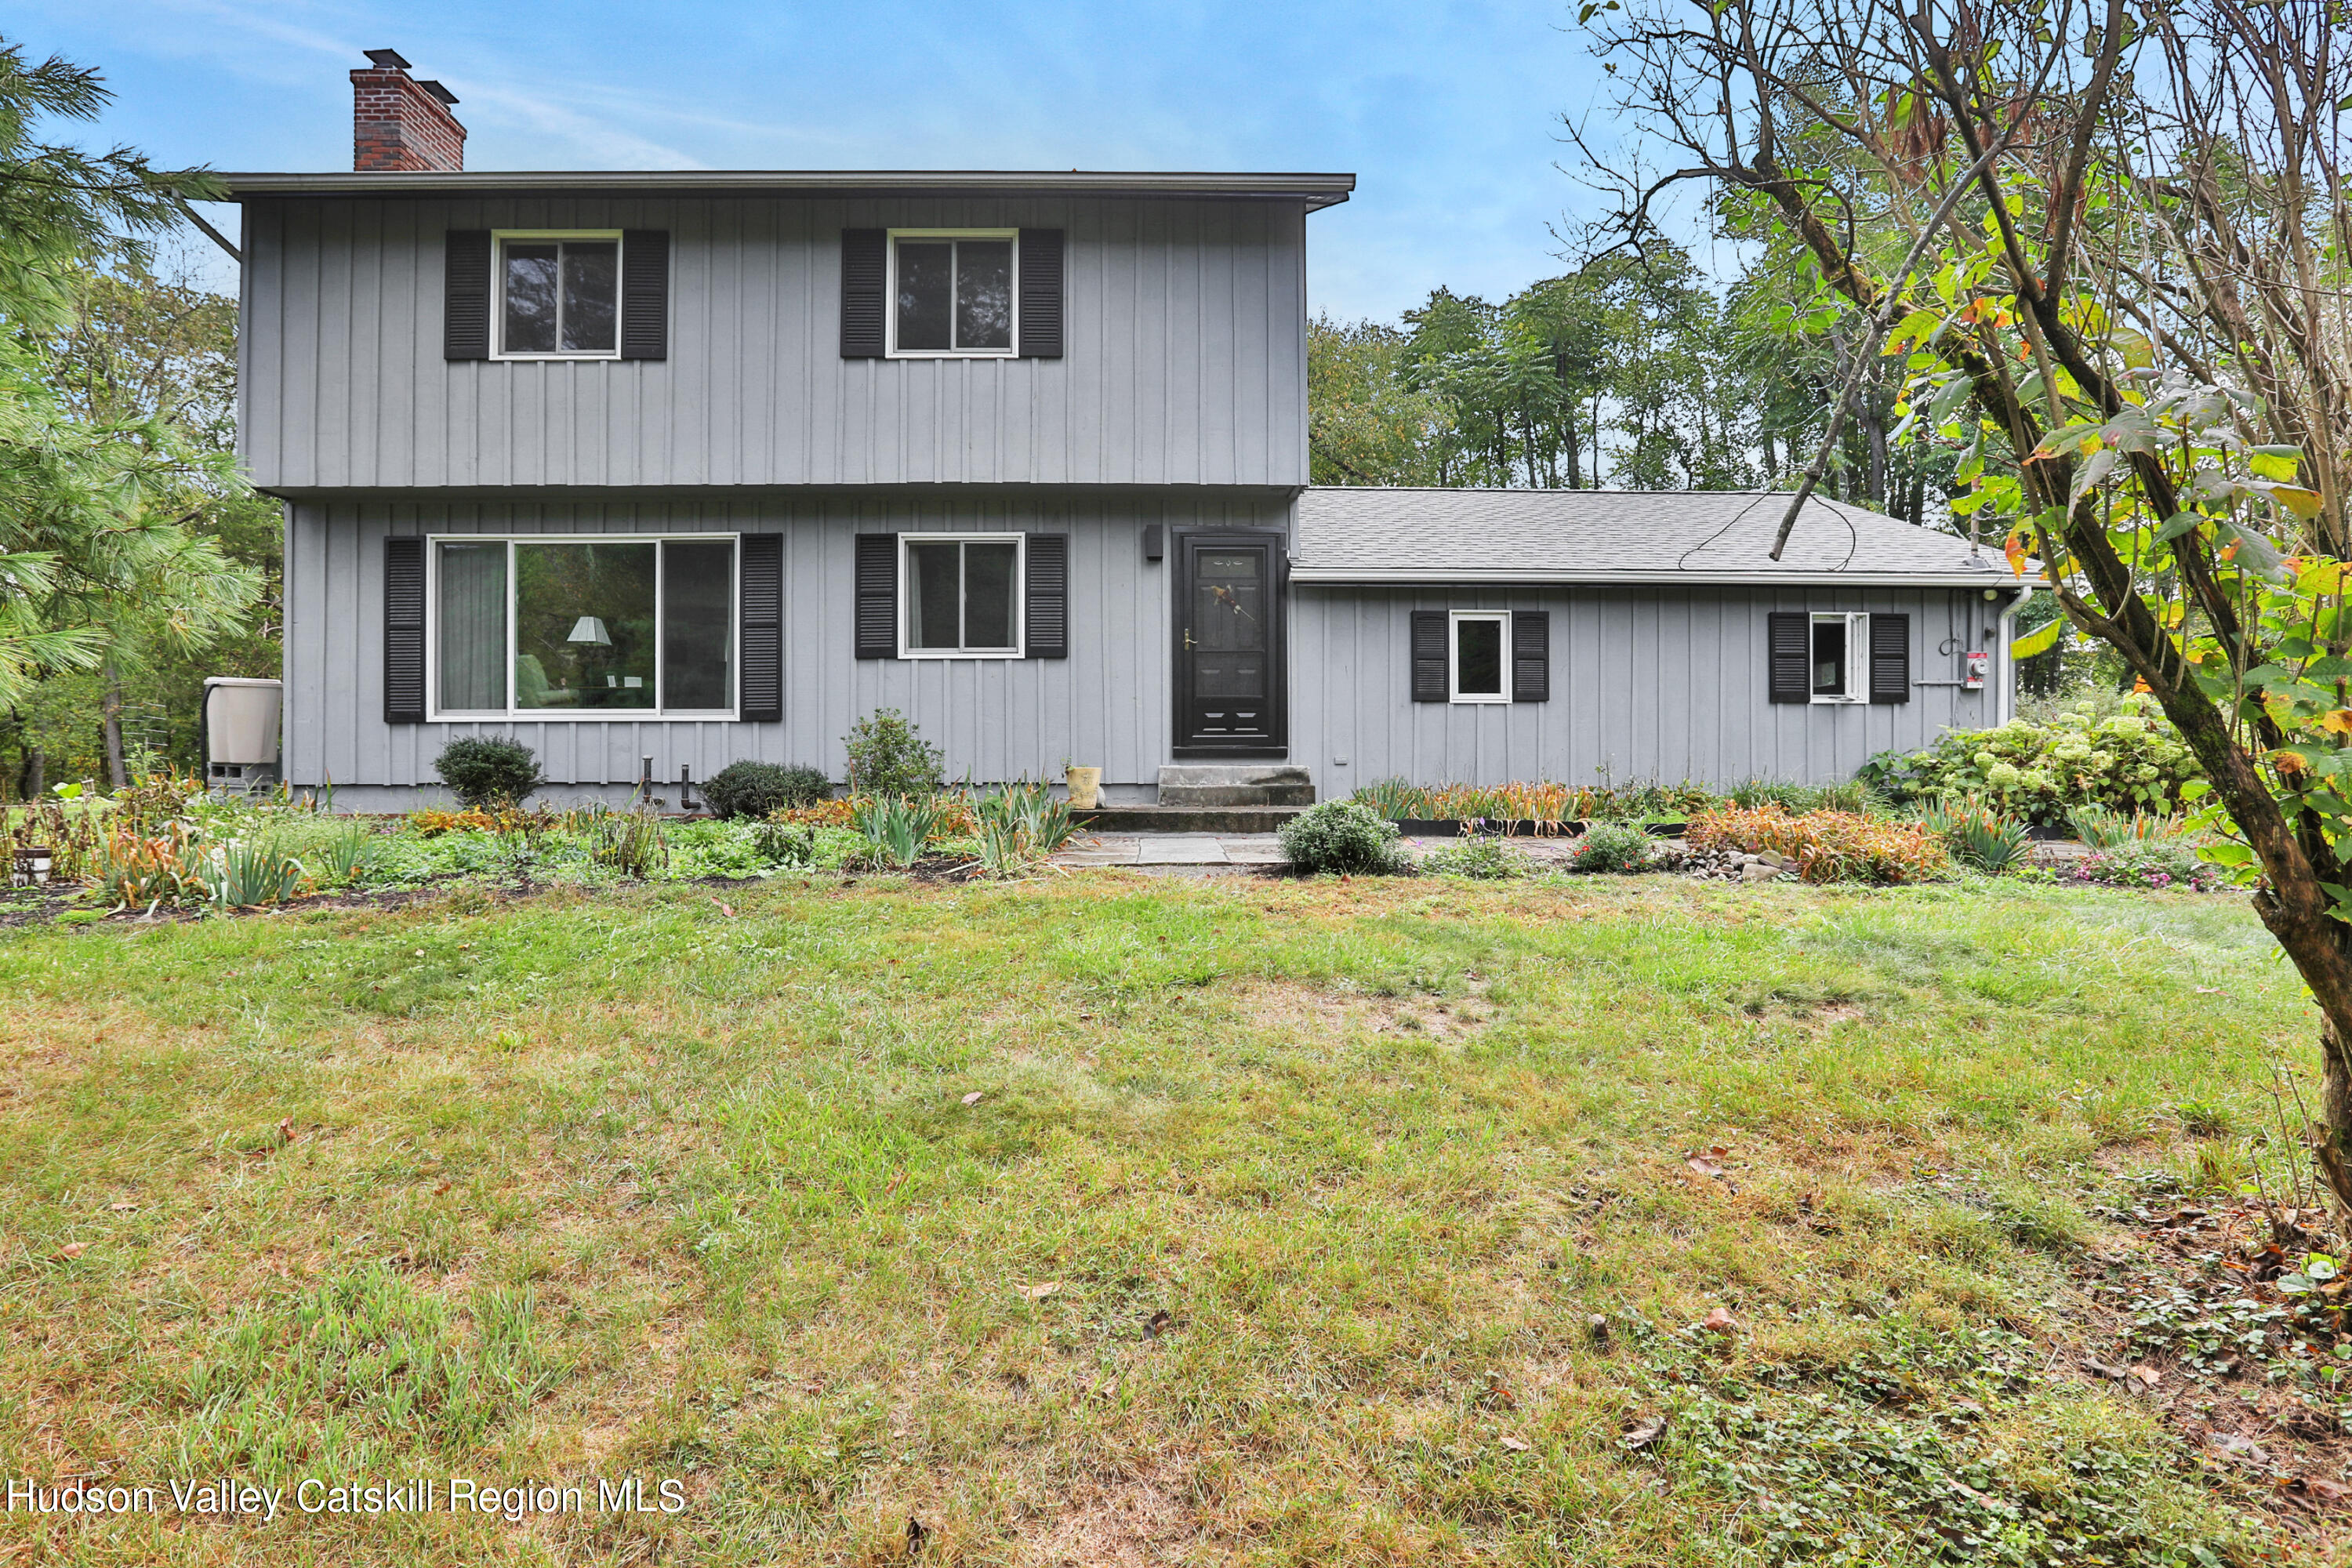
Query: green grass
[{"x": 623, "y": 1185}]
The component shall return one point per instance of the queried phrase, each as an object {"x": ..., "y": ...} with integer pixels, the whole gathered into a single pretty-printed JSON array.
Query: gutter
[
  {"x": 2005, "y": 628},
  {"x": 1436, "y": 577},
  {"x": 1316, "y": 190}
]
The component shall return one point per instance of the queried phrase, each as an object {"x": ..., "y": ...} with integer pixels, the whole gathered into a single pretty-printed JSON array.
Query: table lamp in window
[{"x": 589, "y": 632}]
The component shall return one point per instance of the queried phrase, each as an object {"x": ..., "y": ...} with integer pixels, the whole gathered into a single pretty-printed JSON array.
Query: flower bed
[
  {"x": 1827, "y": 846},
  {"x": 2159, "y": 866}
]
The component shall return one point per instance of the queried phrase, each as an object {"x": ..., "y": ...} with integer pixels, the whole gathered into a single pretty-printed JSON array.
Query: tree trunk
[
  {"x": 2331, "y": 1138},
  {"x": 1569, "y": 440},
  {"x": 109, "y": 725}
]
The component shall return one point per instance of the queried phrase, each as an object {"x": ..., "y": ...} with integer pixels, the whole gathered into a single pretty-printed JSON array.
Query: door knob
[{"x": 1188, "y": 639}]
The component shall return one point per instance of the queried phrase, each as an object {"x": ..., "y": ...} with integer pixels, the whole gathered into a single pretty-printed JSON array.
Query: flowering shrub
[
  {"x": 434, "y": 823},
  {"x": 2133, "y": 762},
  {"x": 1827, "y": 846},
  {"x": 2157, "y": 864}
]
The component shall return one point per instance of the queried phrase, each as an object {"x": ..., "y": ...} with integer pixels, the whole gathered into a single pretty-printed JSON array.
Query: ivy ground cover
[{"x": 1105, "y": 1220}]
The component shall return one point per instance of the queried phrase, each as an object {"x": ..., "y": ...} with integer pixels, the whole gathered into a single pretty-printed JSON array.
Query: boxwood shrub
[
  {"x": 486, "y": 770},
  {"x": 760, "y": 789}
]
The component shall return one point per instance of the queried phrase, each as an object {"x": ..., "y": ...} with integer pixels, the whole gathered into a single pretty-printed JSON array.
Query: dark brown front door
[{"x": 1229, "y": 677}]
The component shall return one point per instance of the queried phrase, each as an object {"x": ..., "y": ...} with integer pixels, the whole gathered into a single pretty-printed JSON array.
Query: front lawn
[{"x": 1105, "y": 1220}]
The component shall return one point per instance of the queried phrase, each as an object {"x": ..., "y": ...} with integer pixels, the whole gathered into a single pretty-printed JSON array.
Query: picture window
[{"x": 575, "y": 628}]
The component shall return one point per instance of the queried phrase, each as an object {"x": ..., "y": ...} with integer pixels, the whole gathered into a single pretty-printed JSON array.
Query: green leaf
[{"x": 2039, "y": 641}]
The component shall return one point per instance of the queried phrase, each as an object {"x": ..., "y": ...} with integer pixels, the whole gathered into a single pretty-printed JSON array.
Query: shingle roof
[{"x": 1349, "y": 534}]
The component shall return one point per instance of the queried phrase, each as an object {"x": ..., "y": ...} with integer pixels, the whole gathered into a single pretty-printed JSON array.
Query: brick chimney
[{"x": 400, "y": 126}]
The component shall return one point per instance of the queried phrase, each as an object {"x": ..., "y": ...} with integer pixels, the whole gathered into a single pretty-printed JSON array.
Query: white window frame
[
  {"x": 436, "y": 714},
  {"x": 1454, "y": 692},
  {"x": 1020, "y": 596},
  {"x": 499, "y": 238},
  {"x": 1857, "y": 656},
  {"x": 891, "y": 296}
]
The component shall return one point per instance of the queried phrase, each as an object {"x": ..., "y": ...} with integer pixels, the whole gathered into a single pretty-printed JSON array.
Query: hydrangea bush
[{"x": 2133, "y": 762}]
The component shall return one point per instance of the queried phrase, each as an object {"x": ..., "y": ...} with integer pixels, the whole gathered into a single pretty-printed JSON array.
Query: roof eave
[
  {"x": 1315, "y": 190},
  {"x": 1407, "y": 576}
]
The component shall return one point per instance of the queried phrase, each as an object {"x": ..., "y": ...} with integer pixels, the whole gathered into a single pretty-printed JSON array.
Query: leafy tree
[
  {"x": 2105, "y": 250},
  {"x": 1366, "y": 425},
  {"x": 99, "y": 492}
]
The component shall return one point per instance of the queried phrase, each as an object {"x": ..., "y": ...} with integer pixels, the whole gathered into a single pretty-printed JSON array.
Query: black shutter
[
  {"x": 1045, "y": 603},
  {"x": 645, "y": 293},
  {"x": 762, "y": 583},
  {"x": 1787, "y": 658},
  {"x": 1429, "y": 633},
  {"x": 465, "y": 295},
  {"x": 404, "y": 631},
  {"x": 1890, "y": 658},
  {"x": 864, "y": 274},
  {"x": 1042, "y": 292},
  {"x": 1531, "y": 656},
  {"x": 877, "y": 595}
]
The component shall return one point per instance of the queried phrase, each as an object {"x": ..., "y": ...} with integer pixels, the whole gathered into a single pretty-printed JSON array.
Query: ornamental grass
[{"x": 1827, "y": 846}]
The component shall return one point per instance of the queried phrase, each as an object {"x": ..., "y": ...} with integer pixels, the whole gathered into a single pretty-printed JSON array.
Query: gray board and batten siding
[
  {"x": 1652, "y": 684},
  {"x": 1184, "y": 362},
  {"x": 1106, "y": 704},
  {"x": 1657, "y": 606}
]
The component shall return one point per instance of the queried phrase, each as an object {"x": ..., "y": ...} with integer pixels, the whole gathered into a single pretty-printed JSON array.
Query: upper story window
[
  {"x": 953, "y": 294},
  {"x": 559, "y": 295}
]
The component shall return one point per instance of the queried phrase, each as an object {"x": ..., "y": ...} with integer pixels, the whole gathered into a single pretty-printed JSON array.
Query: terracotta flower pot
[{"x": 1086, "y": 785}]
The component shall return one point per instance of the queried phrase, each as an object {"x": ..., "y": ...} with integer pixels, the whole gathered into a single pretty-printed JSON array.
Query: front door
[{"x": 1229, "y": 676}]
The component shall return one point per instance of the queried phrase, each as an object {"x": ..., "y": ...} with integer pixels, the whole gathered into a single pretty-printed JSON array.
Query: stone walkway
[{"x": 1177, "y": 854}]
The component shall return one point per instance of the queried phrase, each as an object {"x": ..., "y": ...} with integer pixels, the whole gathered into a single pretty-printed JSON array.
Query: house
[{"x": 660, "y": 470}]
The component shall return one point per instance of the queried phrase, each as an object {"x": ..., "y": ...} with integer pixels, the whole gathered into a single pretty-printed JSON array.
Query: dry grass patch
[{"x": 1328, "y": 1180}]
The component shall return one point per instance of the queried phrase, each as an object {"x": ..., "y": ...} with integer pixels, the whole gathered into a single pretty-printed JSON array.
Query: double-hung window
[
  {"x": 584, "y": 628},
  {"x": 559, "y": 295},
  {"x": 1839, "y": 658},
  {"x": 1478, "y": 657},
  {"x": 953, "y": 294},
  {"x": 959, "y": 595}
]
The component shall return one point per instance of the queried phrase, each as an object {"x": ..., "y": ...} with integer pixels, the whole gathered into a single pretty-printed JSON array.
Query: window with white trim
[
  {"x": 1839, "y": 658},
  {"x": 559, "y": 294},
  {"x": 959, "y": 595},
  {"x": 1478, "y": 657},
  {"x": 952, "y": 293},
  {"x": 599, "y": 628}
]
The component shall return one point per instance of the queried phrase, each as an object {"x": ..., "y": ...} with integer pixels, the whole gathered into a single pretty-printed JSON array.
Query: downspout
[{"x": 2004, "y": 701}]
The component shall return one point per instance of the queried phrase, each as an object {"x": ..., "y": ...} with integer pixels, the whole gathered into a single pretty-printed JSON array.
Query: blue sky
[{"x": 1448, "y": 112}]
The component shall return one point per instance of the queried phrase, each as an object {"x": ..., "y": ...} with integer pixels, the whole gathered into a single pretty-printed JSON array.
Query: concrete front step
[
  {"x": 1187, "y": 818},
  {"x": 1218, "y": 784}
]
